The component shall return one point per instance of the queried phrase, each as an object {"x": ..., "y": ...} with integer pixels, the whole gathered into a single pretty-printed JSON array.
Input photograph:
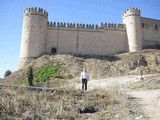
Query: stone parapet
[
  {"x": 131, "y": 11},
  {"x": 35, "y": 10},
  {"x": 85, "y": 26}
]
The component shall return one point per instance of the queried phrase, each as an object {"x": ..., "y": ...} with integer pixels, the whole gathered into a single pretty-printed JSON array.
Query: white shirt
[{"x": 84, "y": 75}]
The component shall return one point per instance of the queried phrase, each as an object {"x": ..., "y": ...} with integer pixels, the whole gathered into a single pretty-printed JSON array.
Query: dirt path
[{"x": 148, "y": 99}]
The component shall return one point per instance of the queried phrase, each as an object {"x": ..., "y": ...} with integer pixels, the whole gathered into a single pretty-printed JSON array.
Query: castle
[{"x": 42, "y": 37}]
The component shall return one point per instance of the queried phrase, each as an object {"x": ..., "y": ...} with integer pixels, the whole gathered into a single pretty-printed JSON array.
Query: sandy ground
[{"x": 148, "y": 99}]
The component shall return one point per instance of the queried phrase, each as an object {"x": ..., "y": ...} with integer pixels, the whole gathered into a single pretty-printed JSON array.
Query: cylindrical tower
[
  {"x": 33, "y": 35},
  {"x": 132, "y": 20}
]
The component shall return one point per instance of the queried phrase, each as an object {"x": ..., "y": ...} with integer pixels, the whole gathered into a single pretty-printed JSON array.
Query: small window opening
[
  {"x": 53, "y": 50},
  {"x": 156, "y": 27},
  {"x": 142, "y": 25}
]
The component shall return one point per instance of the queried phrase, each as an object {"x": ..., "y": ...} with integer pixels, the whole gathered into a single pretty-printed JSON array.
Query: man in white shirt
[{"x": 84, "y": 77}]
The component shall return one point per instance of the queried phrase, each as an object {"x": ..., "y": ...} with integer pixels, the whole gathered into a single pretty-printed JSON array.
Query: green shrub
[
  {"x": 7, "y": 73},
  {"x": 43, "y": 73}
]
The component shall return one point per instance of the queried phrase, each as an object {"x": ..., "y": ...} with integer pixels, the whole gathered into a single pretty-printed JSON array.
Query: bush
[
  {"x": 30, "y": 76},
  {"x": 43, "y": 73},
  {"x": 7, "y": 73}
]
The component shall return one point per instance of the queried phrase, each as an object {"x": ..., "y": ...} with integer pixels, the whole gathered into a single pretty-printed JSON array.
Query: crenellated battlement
[
  {"x": 131, "y": 11},
  {"x": 85, "y": 26},
  {"x": 132, "y": 20},
  {"x": 35, "y": 10},
  {"x": 112, "y": 25},
  {"x": 40, "y": 36}
]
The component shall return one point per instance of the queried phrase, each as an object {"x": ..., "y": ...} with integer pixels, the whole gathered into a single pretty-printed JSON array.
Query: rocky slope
[{"x": 146, "y": 61}]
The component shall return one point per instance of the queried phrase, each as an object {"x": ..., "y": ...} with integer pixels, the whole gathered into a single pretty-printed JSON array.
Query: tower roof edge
[
  {"x": 36, "y": 10},
  {"x": 131, "y": 11}
]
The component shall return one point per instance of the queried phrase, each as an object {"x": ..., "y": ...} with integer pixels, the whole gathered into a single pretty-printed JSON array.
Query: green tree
[
  {"x": 30, "y": 76},
  {"x": 7, "y": 73}
]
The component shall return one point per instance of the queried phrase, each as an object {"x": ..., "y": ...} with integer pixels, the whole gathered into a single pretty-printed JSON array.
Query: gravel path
[{"x": 148, "y": 99}]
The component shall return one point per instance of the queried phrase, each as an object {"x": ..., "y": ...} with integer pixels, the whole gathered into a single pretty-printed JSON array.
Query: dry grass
[
  {"x": 64, "y": 104},
  {"x": 98, "y": 66},
  {"x": 147, "y": 83}
]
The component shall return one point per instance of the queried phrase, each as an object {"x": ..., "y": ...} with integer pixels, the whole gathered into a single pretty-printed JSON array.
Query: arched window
[
  {"x": 53, "y": 50},
  {"x": 156, "y": 27},
  {"x": 142, "y": 25}
]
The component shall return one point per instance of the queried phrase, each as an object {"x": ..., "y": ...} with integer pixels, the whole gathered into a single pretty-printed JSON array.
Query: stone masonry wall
[
  {"x": 40, "y": 36},
  {"x": 102, "y": 41},
  {"x": 150, "y": 32}
]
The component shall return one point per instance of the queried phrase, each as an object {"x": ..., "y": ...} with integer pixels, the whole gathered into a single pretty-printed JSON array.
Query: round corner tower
[
  {"x": 132, "y": 20},
  {"x": 33, "y": 35}
]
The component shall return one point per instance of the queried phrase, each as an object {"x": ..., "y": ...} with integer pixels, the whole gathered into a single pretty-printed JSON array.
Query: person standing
[{"x": 84, "y": 78}]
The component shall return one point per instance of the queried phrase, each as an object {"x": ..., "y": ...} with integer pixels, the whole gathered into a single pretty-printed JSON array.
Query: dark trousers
[{"x": 84, "y": 84}]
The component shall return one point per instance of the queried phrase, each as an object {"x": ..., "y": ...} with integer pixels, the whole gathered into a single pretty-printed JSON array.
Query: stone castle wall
[
  {"x": 40, "y": 36},
  {"x": 150, "y": 32},
  {"x": 101, "y": 40},
  {"x": 33, "y": 35}
]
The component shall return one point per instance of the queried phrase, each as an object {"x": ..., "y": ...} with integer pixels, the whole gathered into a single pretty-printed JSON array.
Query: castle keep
[{"x": 42, "y": 37}]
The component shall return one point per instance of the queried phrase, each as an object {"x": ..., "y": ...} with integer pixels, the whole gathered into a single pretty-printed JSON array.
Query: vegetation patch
[
  {"x": 137, "y": 85},
  {"x": 147, "y": 83},
  {"x": 43, "y": 73},
  {"x": 64, "y": 104}
]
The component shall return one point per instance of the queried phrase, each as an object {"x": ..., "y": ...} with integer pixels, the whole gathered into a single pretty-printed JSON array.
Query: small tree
[
  {"x": 7, "y": 73},
  {"x": 30, "y": 76}
]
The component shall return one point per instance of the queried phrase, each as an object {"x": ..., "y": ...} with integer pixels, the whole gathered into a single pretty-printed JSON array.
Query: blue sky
[{"x": 78, "y": 11}]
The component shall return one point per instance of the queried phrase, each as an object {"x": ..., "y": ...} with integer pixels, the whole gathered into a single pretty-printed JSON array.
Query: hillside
[
  {"x": 98, "y": 66},
  {"x": 65, "y": 101}
]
